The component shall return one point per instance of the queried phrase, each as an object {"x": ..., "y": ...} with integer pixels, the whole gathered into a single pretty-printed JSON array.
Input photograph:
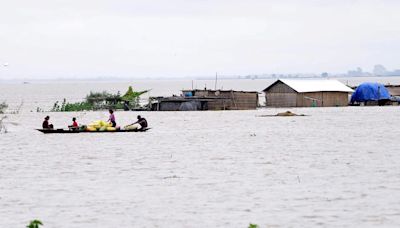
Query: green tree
[
  {"x": 35, "y": 224},
  {"x": 132, "y": 97}
]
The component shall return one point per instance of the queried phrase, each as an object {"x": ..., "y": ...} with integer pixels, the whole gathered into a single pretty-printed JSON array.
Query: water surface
[{"x": 337, "y": 167}]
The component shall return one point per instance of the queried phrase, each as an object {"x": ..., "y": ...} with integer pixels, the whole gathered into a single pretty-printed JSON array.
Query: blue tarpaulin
[{"x": 370, "y": 91}]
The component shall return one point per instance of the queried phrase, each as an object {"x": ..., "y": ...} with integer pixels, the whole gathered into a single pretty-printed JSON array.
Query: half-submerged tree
[
  {"x": 35, "y": 224},
  {"x": 101, "y": 100},
  {"x": 131, "y": 98}
]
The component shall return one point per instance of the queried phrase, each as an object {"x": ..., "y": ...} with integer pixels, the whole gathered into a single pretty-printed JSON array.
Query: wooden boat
[{"x": 68, "y": 131}]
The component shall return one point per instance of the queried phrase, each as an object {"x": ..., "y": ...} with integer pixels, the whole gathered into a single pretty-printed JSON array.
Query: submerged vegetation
[
  {"x": 70, "y": 107},
  {"x": 2, "y": 125},
  {"x": 5, "y": 112},
  {"x": 34, "y": 224},
  {"x": 102, "y": 100},
  {"x": 3, "y": 107}
]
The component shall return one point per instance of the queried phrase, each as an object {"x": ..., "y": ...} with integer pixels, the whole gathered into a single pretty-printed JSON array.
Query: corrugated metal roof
[{"x": 306, "y": 85}]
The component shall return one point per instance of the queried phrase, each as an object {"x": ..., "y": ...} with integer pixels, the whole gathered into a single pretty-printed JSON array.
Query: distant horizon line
[{"x": 219, "y": 77}]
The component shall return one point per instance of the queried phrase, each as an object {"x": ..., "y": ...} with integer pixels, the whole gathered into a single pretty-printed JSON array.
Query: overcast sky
[{"x": 178, "y": 38}]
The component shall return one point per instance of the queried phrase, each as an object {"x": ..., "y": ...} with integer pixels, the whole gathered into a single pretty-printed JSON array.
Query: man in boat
[
  {"x": 142, "y": 121},
  {"x": 74, "y": 125},
  {"x": 46, "y": 124},
  {"x": 112, "y": 118}
]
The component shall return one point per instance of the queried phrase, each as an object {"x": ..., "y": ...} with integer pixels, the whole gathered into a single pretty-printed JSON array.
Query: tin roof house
[{"x": 307, "y": 93}]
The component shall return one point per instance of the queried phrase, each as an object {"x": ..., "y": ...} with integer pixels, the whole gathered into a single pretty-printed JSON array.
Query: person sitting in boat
[
  {"x": 142, "y": 121},
  {"x": 112, "y": 118},
  {"x": 74, "y": 125},
  {"x": 46, "y": 124}
]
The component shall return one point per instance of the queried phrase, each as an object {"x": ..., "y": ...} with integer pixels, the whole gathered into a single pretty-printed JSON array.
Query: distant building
[
  {"x": 307, "y": 93},
  {"x": 192, "y": 100}
]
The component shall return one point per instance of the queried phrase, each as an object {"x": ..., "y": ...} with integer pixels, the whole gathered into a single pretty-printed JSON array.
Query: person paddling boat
[{"x": 141, "y": 123}]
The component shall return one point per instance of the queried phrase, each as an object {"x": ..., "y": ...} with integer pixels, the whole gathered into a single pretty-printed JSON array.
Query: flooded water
[{"x": 336, "y": 167}]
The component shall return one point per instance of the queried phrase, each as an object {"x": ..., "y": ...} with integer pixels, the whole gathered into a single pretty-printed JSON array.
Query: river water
[{"x": 335, "y": 167}]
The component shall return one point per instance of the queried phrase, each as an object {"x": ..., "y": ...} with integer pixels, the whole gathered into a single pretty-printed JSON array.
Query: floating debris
[
  {"x": 171, "y": 177},
  {"x": 287, "y": 113}
]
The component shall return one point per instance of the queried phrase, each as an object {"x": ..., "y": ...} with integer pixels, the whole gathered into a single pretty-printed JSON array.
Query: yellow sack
[
  {"x": 104, "y": 128},
  {"x": 95, "y": 124},
  {"x": 111, "y": 129},
  {"x": 103, "y": 123},
  {"x": 132, "y": 127},
  {"x": 89, "y": 128}
]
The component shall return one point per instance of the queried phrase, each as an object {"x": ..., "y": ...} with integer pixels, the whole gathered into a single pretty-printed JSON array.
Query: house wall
[
  {"x": 281, "y": 99},
  {"x": 394, "y": 90},
  {"x": 169, "y": 106},
  {"x": 334, "y": 99},
  {"x": 201, "y": 93},
  {"x": 243, "y": 101},
  {"x": 322, "y": 99},
  {"x": 281, "y": 95},
  {"x": 181, "y": 106},
  {"x": 219, "y": 104},
  {"x": 234, "y": 101},
  {"x": 230, "y": 100}
]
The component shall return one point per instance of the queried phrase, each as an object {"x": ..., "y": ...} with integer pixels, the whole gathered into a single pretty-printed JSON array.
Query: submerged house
[
  {"x": 192, "y": 100},
  {"x": 307, "y": 93}
]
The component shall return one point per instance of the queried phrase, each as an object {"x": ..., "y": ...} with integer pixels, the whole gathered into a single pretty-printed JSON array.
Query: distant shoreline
[{"x": 120, "y": 79}]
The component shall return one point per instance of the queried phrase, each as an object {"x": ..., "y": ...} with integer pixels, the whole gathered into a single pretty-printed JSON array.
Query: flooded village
[{"x": 281, "y": 93}]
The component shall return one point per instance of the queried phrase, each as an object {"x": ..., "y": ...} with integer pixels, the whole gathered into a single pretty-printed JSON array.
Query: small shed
[{"x": 307, "y": 93}]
